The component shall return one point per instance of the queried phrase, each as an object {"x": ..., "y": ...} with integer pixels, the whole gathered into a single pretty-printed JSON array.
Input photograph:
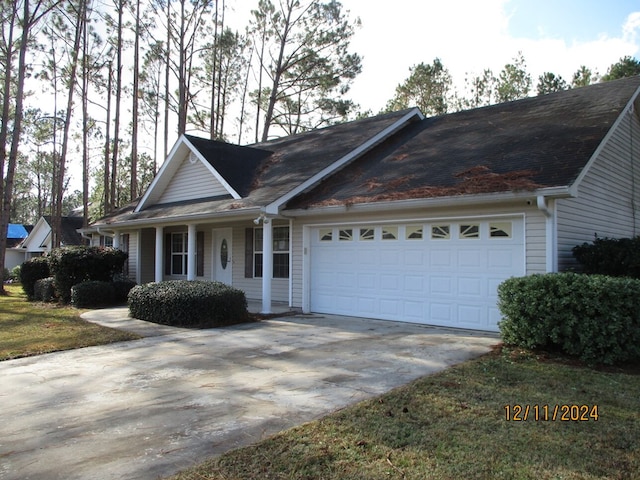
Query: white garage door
[{"x": 439, "y": 273}]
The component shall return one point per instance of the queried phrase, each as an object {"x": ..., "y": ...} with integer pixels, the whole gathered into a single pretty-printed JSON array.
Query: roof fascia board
[
  {"x": 454, "y": 201},
  {"x": 156, "y": 180},
  {"x": 628, "y": 110},
  {"x": 215, "y": 173},
  {"x": 274, "y": 207}
]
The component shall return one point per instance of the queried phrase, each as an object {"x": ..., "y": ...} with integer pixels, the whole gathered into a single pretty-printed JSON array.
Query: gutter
[
  {"x": 435, "y": 202},
  {"x": 179, "y": 220}
]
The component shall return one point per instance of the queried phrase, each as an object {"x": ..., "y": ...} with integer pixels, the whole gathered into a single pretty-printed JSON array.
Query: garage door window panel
[
  {"x": 440, "y": 232},
  {"x": 500, "y": 230},
  {"x": 413, "y": 232},
  {"x": 345, "y": 235},
  {"x": 367, "y": 234},
  {"x": 469, "y": 231},
  {"x": 325, "y": 234},
  {"x": 390, "y": 233}
]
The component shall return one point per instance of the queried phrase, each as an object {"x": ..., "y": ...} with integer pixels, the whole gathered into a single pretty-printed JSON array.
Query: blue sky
[{"x": 572, "y": 20}]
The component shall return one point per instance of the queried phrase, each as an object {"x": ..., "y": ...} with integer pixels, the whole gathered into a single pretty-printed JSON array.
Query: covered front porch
[{"x": 235, "y": 252}]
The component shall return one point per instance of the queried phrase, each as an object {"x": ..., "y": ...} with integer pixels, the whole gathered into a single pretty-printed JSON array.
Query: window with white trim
[
  {"x": 179, "y": 253},
  {"x": 280, "y": 252}
]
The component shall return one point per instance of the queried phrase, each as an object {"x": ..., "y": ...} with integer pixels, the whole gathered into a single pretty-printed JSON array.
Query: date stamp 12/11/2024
[{"x": 551, "y": 413}]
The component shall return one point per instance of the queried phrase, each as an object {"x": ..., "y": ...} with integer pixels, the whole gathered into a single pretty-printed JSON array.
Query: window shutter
[
  {"x": 200, "y": 254},
  {"x": 167, "y": 254},
  {"x": 248, "y": 253}
]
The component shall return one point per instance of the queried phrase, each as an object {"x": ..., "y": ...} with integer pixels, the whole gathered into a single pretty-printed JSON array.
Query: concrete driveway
[{"x": 149, "y": 408}]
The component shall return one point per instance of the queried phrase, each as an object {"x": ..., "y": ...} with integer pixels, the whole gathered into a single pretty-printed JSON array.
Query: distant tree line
[{"x": 431, "y": 88}]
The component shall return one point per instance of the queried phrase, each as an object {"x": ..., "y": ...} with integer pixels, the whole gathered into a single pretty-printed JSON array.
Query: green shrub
[
  {"x": 593, "y": 317},
  {"x": 44, "y": 290},
  {"x": 93, "y": 293},
  {"x": 72, "y": 265},
  {"x": 610, "y": 256},
  {"x": 31, "y": 271},
  {"x": 122, "y": 287},
  {"x": 188, "y": 303}
]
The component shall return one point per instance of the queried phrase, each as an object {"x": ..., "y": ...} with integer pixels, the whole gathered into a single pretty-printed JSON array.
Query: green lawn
[
  {"x": 31, "y": 328},
  {"x": 454, "y": 426}
]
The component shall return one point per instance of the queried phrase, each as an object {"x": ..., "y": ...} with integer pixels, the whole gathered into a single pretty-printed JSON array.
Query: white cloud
[{"x": 468, "y": 36}]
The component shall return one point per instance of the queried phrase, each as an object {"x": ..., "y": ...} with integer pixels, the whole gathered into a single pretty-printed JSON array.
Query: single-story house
[
  {"x": 39, "y": 241},
  {"x": 396, "y": 216}
]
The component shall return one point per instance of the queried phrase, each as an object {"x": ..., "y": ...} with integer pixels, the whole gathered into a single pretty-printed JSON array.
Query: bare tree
[{"x": 31, "y": 16}]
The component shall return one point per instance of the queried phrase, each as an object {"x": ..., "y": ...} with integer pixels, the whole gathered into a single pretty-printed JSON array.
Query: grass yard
[
  {"x": 29, "y": 328},
  {"x": 454, "y": 426}
]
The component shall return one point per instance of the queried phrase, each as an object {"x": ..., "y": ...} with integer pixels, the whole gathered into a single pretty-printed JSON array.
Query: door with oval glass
[{"x": 222, "y": 269}]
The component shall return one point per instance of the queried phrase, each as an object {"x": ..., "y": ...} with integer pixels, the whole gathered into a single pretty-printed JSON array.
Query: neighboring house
[
  {"x": 14, "y": 255},
  {"x": 39, "y": 240},
  {"x": 397, "y": 216}
]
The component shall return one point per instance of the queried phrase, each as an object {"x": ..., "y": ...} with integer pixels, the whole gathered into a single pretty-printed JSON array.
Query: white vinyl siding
[
  {"x": 607, "y": 199},
  {"x": 191, "y": 181}
]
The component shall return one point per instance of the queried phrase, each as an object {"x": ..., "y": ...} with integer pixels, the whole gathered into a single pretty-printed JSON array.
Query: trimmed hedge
[
  {"x": 593, "y": 317},
  {"x": 72, "y": 265},
  {"x": 618, "y": 257},
  {"x": 44, "y": 290},
  {"x": 31, "y": 271},
  {"x": 188, "y": 303},
  {"x": 93, "y": 293}
]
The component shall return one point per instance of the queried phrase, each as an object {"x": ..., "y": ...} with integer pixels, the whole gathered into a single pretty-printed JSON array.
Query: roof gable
[{"x": 198, "y": 169}]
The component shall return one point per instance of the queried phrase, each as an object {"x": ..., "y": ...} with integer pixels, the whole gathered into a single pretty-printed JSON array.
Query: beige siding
[
  {"x": 191, "y": 181},
  {"x": 606, "y": 203},
  {"x": 253, "y": 286}
]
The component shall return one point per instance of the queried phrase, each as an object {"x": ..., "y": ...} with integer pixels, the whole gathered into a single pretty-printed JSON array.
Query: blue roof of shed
[{"x": 15, "y": 230}]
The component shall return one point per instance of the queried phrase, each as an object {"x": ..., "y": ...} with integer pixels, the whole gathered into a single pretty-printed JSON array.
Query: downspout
[
  {"x": 550, "y": 230},
  {"x": 290, "y": 263}
]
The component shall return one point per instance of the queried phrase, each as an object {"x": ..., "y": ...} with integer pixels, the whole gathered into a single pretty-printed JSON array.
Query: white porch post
[
  {"x": 267, "y": 264},
  {"x": 159, "y": 253},
  {"x": 191, "y": 252},
  {"x": 116, "y": 239}
]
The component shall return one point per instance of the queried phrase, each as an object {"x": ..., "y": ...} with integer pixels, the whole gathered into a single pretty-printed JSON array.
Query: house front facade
[{"x": 395, "y": 217}]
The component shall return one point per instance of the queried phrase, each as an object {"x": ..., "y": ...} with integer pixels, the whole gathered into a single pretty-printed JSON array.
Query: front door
[{"x": 222, "y": 270}]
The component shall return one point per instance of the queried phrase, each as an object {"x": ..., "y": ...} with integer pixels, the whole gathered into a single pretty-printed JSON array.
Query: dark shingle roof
[
  {"x": 542, "y": 141},
  {"x": 237, "y": 164},
  {"x": 69, "y": 226}
]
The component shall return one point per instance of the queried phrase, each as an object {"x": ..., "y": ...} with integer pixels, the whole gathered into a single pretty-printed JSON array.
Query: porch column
[
  {"x": 191, "y": 251},
  {"x": 159, "y": 253},
  {"x": 116, "y": 240},
  {"x": 267, "y": 264}
]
